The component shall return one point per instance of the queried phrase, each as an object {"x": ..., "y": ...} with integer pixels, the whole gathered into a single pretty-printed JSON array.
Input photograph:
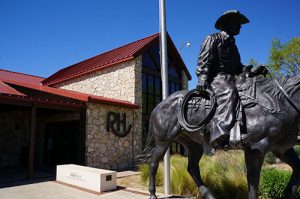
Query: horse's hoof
[
  {"x": 206, "y": 193},
  {"x": 209, "y": 196},
  {"x": 153, "y": 197}
]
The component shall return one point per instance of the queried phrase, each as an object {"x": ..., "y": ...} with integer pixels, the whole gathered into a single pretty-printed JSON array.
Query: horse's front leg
[
  {"x": 254, "y": 160},
  {"x": 291, "y": 158}
]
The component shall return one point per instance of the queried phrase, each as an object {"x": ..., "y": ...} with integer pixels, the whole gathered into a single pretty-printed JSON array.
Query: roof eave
[
  {"x": 77, "y": 96},
  {"x": 51, "y": 83},
  {"x": 43, "y": 102},
  {"x": 113, "y": 102},
  {"x": 55, "y": 91}
]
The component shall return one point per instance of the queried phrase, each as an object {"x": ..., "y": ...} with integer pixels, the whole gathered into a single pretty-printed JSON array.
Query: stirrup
[{"x": 237, "y": 144}]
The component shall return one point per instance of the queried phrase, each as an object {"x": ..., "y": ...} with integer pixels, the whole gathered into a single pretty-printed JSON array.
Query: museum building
[{"x": 92, "y": 113}]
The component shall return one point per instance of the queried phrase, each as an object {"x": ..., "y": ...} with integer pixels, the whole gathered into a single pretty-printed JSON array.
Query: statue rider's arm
[{"x": 206, "y": 60}]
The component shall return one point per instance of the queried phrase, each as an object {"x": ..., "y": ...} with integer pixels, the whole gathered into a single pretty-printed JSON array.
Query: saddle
[
  {"x": 258, "y": 91},
  {"x": 198, "y": 108}
]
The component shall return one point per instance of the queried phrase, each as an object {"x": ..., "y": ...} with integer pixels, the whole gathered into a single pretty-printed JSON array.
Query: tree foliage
[{"x": 285, "y": 57}]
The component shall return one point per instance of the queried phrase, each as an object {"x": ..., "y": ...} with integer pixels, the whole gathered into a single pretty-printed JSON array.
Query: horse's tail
[{"x": 145, "y": 156}]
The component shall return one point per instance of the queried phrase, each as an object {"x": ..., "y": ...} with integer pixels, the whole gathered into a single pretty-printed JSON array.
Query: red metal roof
[
  {"x": 41, "y": 97},
  {"x": 101, "y": 61},
  {"x": 107, "y": 59},
  {"x": 64, "y": 93},
  {"x": 6, "y": 89},
  {"x": 19, "y": 77}
]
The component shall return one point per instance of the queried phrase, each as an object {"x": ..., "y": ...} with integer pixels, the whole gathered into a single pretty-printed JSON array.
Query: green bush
[
  {"x": 223, "y": 173},
  {"x": 145, "y": 173},
  {"x": 181, "y": 182},
  {"x": 273, "y": 182},
  {"x": 297, "y": 149},
  {"x": 270, "y": 158}
]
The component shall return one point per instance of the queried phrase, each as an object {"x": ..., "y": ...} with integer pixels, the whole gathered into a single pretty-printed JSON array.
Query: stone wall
[
  {"x": 106, "y": 150},
  {"x": 14, "y": 134},
  {"x": 41, "y": 128},
  {"x": 118, "y": 81},
  {"x": 124, "y": 82}
]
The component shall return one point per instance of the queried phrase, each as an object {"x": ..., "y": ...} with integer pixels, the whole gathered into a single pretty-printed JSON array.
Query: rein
[{"x": 290, "y": 100}]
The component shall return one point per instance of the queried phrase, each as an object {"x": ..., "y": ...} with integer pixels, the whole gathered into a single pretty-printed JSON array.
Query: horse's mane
[{"x": 268, "y": 86}]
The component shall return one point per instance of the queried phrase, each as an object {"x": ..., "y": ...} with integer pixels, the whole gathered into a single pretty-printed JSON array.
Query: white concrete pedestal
[{"x": 98, "y": 180}]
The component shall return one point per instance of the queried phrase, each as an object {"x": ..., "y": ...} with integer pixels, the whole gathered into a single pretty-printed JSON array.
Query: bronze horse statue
[{"x": 271, "y": 122}]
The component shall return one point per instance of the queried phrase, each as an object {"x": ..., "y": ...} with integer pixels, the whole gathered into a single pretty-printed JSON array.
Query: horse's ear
[
  {"x": 247, "y": 68},
  {"x": 260, "y": 70},
  {"x": 246, "y": 71}
]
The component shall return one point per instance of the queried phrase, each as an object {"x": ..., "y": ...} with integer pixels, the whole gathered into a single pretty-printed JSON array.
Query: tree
[{"x": 285, "y": 58}]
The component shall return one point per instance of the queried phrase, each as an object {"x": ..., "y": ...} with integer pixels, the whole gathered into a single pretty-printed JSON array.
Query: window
[{"x": 152, "y": 86}]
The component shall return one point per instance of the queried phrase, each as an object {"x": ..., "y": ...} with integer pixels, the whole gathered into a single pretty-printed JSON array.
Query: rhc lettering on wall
[{"x": 116, "y": 123}]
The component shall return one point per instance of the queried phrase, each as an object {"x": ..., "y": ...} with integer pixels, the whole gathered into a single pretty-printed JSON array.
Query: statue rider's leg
[
  {"x": 228, "y": 104},
  {"x": 254, "y": 160},
  {"x": 195, "y": 152},
  {"x": 291, "y": 158}
]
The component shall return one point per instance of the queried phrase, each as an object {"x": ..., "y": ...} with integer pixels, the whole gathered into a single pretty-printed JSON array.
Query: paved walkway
[{"x": 55, "y": 190}]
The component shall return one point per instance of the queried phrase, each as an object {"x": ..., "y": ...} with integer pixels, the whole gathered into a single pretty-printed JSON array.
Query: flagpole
[{"x": 164, "y": 79}]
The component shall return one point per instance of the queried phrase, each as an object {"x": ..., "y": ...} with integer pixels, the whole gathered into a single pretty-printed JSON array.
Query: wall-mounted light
[{"x": 184, "y": 44}]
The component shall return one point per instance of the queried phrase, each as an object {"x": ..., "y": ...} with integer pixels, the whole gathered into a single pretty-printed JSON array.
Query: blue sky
[{"x": 39, "y": 37}]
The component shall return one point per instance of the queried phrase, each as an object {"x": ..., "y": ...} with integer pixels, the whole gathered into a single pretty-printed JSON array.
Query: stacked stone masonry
[
  {"x": 105, "y": 149},
  {"x": 14, "y": 137},
  {"x": 122, "y": 81}
]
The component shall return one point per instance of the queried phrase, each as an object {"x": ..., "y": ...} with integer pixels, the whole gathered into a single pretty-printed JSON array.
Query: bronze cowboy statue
[
  {"x": 218, "y": 64},
  {"x": 270, "y": 110}
]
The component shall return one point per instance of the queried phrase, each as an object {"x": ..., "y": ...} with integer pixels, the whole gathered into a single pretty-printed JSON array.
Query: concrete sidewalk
[{"x": 56, "y": 190}]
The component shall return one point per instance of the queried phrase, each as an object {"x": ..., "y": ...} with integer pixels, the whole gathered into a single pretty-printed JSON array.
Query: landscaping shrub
[
  {"x": 223, "y": 173},
  {"x": 297, "y": 149},
  {"x": 144, "y": 169},
  {"x": 270, "y": 158},
  {"x": 273, "y": 182},
  {"x": 181, "y": 181}
]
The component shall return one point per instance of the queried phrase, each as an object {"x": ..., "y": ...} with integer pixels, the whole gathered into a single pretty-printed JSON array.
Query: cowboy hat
[{"x": 231, "y": 15}]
